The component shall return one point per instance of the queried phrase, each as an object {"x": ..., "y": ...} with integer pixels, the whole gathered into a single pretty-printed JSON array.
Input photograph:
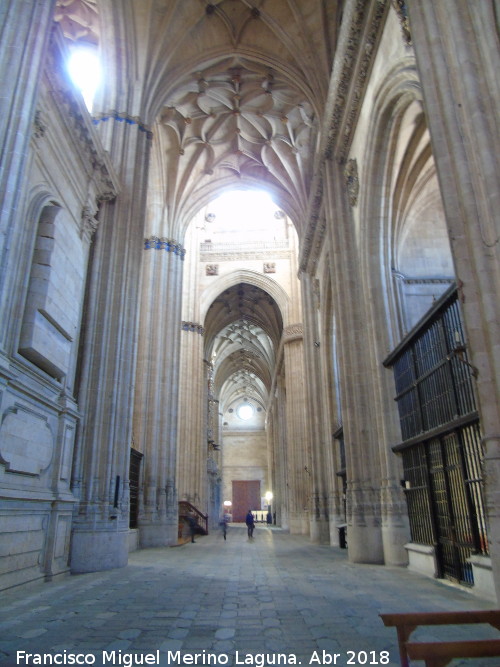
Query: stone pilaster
[
  {"x": 101, "y": 472},
  {"x": 24, "y": 33},
  {"x": 156, "y": 402},
  {"x": 456, "y": 46}
]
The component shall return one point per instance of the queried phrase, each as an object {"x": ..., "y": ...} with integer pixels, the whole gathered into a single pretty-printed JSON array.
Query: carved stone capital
[
  {"x": 169, "y": 245},
  {"x": 193, "y": 327}
]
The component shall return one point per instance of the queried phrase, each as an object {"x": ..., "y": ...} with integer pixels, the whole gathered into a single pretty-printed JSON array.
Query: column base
[
  {"x": 365, "y": 544},
  {"x": 95, "y": 550},
  {"x": 158, "y": 534},
  {"x": 320, "y": 531},
  {"x": 299, "y": 523},
  {"x": 394, "y": 538}
]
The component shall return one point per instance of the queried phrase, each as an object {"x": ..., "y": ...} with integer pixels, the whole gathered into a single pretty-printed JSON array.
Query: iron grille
[
  {"x": 432, "y": 373},
  {"x": 441, "y": 448}
]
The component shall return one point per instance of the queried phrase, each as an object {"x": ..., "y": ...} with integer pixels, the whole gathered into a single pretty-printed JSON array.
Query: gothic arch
[
  {"x": 252, "y": 278},
  {"x": 403, "y": 179}
]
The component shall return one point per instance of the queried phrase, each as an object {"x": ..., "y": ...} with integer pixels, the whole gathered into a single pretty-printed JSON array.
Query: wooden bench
[{"x": 439, "y": 654}]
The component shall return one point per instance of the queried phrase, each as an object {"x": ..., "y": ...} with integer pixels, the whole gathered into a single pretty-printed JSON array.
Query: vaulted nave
[
  {"x": 250, "y": 262},
  {"x": 273, "y": 596}
]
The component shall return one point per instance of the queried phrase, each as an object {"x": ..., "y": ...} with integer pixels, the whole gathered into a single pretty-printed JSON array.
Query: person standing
[{"x": 250, "y": 521}]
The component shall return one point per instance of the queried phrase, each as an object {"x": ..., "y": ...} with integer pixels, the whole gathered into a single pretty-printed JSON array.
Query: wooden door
[{"x": 246, "y": 495}]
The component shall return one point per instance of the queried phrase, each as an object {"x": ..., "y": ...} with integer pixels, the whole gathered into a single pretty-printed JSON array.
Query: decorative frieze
[
  {"x": 352, "y": 181},
  {"x": 243, "y": 255},
  {"x": 314, "y": 214},
  {"x": 169, "y": 245},
  {"x": 354, "y": 76},
  {"x": 193, "y": 327},
  {"x": 122, "y": 118}
]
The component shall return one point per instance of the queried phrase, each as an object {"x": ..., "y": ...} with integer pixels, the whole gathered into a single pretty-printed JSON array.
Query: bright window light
[
  {"x": 244, "y": 214},
  {"x": 85, "y": 71},
  {"x": 245, "y": 411}
]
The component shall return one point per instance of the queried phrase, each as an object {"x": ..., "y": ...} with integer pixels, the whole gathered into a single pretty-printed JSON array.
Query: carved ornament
[{"x": 352, "y": 181}]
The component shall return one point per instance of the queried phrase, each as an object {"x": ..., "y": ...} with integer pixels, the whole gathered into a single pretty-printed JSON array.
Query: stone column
[
  {"x": 192, "y": 449},
  {"x": 318, "y": 440},
  {"x": 156, "y": 402},
  {"x": 24, "y": 31},
  {"x": 278, "y": 453},
  {"x": 297, "y": 440},
  {"x": 457, "y": 49},
  {"x": 106, "y": 394},
  {"x": 363, "y": 470}
]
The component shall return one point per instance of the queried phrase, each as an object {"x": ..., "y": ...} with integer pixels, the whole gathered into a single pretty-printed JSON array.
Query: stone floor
[{"x": 238, "y": 601}]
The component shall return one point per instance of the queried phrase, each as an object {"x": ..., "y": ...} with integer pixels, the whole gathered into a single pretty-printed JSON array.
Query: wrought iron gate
[{"x": 442, "y": 450}]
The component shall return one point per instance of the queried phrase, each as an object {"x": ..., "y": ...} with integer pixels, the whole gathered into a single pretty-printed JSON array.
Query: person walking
[
  {"x": 223, "y": 525},
  {"x": 192, "y": 525},
  {"x": 250, "y": 521}
]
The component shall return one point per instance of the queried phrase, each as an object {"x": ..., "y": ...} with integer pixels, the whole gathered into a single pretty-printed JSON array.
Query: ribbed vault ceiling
[
  {"x": 232, "y": 90},
  {"x": 242, "y": 331}
]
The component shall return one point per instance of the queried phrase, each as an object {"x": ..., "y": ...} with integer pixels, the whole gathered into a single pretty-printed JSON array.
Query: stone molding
[
  {"x": 169, "y": 245},
  {"x": 27, "y": 442},
  {"x": 433, "y": 280}
]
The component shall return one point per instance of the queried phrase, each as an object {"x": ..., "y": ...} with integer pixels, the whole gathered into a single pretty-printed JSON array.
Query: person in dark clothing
[
  {"x": 250, "y": 521},
  {"x": 192, "y": 525},
  {"x": 223, "y": 525}
]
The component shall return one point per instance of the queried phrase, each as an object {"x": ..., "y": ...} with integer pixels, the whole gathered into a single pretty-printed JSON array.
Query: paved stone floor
[{"x": 232, "y": 602}]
